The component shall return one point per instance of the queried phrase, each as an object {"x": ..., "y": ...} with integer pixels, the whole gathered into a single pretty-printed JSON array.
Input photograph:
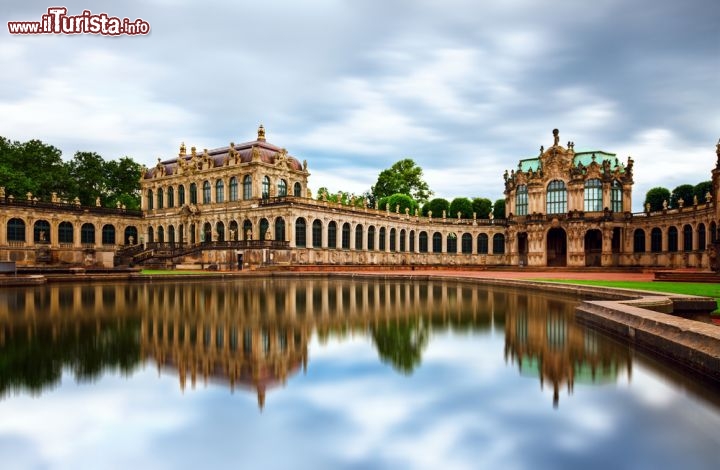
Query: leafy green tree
[
  {"x": 34, "y": 167},
  {"x": 403, "y": 200},
  {"x": 655, "y": 197},
  {"x": 499, "y": 209},
  {"x": 462, "y": 205},
  {"x": 341, "y": 196},
  {"x": 403, "y": 177},
  {"x": 701, "y": 189},
  {"x": 684, "y": 192},
  {"x": 401, "y": 344},
  {"x": 437, "y": 206},
  {"x": 481, "y": 206},
  {"x": 123, "y": 183},
  {"x": 88, "y": 171}
]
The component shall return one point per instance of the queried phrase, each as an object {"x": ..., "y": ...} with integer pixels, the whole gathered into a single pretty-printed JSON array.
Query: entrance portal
[
  {"x": 556, "y": 247},
  {"x": 593, "y": 248},
  {"x": 523, "y": 248}
]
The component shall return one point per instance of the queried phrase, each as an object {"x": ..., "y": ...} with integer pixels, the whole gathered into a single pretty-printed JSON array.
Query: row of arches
[
  {"x": 42, "y": 232},
  {"x": 673, "y": 239},
  {"x": 217, "y": 192}
]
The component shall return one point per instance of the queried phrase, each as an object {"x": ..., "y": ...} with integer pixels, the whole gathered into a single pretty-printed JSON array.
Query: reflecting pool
[{"x": 318, "y": 373}]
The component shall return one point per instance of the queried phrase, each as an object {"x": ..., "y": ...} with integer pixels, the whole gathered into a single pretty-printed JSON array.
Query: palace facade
[{"x": 248, "y": 205}]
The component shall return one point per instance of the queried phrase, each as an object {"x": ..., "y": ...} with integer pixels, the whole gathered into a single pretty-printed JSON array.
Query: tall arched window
[
  {"x": 66, "y": 233},
  {"x": 616, "y": 196},
  {"x": 233, "y": 189},
  {"x": 150, "y": 202},
  {"x": 701, "y": 237},
  {"x": 247, "y": 187},
  {"x": 87, "y": 234},
  {"x": 317, "y": 233},
  {"x": 282, "y": 188},
  {"x": 300, "y": 232},
  {"x": 151, "y": 235},
  {"x": 280, "y": 229},
  {"x": 437, "y": 242},
  {"x": 206, "y": 192},
  {"x": 403, "y": 236},
  {"x": 181, "y": 195},
  {"x": 247, "y": 230},
  {"x": 521, "y": 200},
  {"x": 655, "y": 240},
  {"x": 358, "y": 236},
  {"x": 713, "y": 232},
  {"x": 371, "y": 238},
  {"x": 482, "y": 244},
  {"x": 593, "y": 195},
  {"x": 672, "y": 239},
  {"x": 108, "y": 234},
  {"x": 297, "y": 190},
  {"x": 332, "y": 235},
  {"x": 233, "y": 228},
  {"x": 687, "y": 238},
  {"x": 264, "y": 226},
  {"x": 171, "y": 234},
  {"x": 381, "y": 239},
  {"x": 412, "y": 241},
  {"x": 220, "y": 231},
  {"x": 451, "y": 243},
  {"x": 161, "y": 234},
  {"x": 393, "y": 237},
  {"x": 219, "y": 191},
  {"x": 41, "y": 231},
  {"x": 160, "y": 198},
  {"x": 131, "y": 231},
  {"x": 466, "y": 245},
  {"x": 346, "y": 236},
  {"x": 423, "y": 242},
  {"x": 171, "y": 197},
  {"x": 498, "y": 244},
  {"x": 556, "y": 197},
  {"x": 193, "y": 193},
  {"x": 639, "y": 241},
  {"x": 266, "y": 187}
]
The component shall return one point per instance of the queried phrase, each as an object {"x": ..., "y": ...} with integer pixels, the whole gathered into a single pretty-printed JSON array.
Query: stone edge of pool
[{"x": 640, "y": 317}]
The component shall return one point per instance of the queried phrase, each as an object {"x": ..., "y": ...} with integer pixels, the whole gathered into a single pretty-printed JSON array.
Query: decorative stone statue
[
  {"x": 556, "y": 137},
  {"x": 708, "y": 197},
  {"x": 695, "y": 200},
  {"x": 444, "y": 213},
  {"x": 647, "y": 207},
  {"x": 97, "y": 201},
  {"x": 665, "y": 204},
  {"x": 681, "y": 202}
]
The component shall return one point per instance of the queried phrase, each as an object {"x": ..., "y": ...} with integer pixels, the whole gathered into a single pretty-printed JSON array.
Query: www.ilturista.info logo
[{"x": 57, "y": 21}]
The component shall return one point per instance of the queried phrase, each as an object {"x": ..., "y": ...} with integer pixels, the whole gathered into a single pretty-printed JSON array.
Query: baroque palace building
[{"x": 248, "y": 205}]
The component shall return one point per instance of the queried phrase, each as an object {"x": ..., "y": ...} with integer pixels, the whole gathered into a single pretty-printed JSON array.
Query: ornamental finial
[
  {"x": 261, "y": 133},
  {"x": 556, "y": 137}
]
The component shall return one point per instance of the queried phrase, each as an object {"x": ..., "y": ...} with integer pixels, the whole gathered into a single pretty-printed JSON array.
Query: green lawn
[{"x": 689, "y": 288}]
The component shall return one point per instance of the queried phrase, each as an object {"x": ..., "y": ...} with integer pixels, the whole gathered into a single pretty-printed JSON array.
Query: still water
[{"x": 273, "y": 373}]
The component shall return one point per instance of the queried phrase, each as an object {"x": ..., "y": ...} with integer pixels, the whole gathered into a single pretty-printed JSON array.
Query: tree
[
  {"x": 481, "y": 206},
  {"x": 462, "y": 205},
  {"x": 656, "y": 196},
  {"x": 402, "y": 200},
  {"x": 34, "y": 167},
  {"x": 401, "y": 344},
  {"x": 437, "y": 206},
  {"x": 684, "y": 192},
  {"x": 499, "y": 209},
  {"x": 701, "y": 189},
  {"x": 403, "y": 177},
  {"x": 341, "y": 196},
  {"x": 88, "y": 171},
  {"x": 123, "y": 183}
]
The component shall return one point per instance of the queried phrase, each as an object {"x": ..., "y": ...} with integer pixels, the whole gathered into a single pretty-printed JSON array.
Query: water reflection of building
[
  {"x": 543, "y": 338},
  {"x": 254, "y": 334}
]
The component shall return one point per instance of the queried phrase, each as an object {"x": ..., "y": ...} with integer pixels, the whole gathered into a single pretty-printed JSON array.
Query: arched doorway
[
  {"x": 556, "y": 247},
  {"x": 522, "y": 248},
  {"x": 593, "y": 248}
]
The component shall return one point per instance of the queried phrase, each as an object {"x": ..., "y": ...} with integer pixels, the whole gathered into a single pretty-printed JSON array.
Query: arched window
[
  {"x": 41, "y": 231},
  {"x": 297, "y": 190},
  {"x": 280, "y": 229},
  {"x": 181, "y": 195},
  {"x": 282, "y": 188},
  {"x": 108, "y": 234},
  {"x": 247, "y": 230},
  {"x": 381, "y": 239},
  {"x": 206, "y": 192},
  {"x": 317, "y": 233},
  {"x": 171, "y": 234},
  {"x": 656, "y": 240},
  {"x": 556, "y": 197},
  {"x": 87, "y": 234},
  {"x": 451, "y": 243},
  {"x": 616, "y": 196},
  {"x": 247, "y": 187},
  {"x": 300, "y": 232},
  {"x": 672, "y": 239},
  {"x": 593, "y": 195},
  {"x": 713, "y": 232},
  {"x": 219, "y": 191},
  {"x": 437, "y": 242},
  {"x": 402, "y": 240},
  {"x": 193, "y": 193},
  {"x": 264, "y": 226},
  {"x": 639, "y": 241},
  {"x": 332, "y": 235},
  {"x": 687, "y": 238},
  {"x": 233, "y": 189},
  {"x": 171, "y": 197},
  {"x": 701, "y": 237},
  {"x": 358, "y": 236},
  {"x": 371, "y": 238},
  {"x": 234, "y": 236},
  {"x": 66, "y": 233},
  {"x": 498, "y": 244},
  {"x": 150, "y": 202},
  {"x": 393, "y": 236},
  {"x": 131, "y": 231},
  {"x": 265, "y": 187},
  {"x": 220, "y": 231},
  {"x": 521, "y": 200},
  {"x": 160, "y": 198},
  {"x": 412, "y": 241},
  {"x": 423, "y": 242},
  {"x": 346, "y": 236},
  {"x": 466, "y": 243},
  {"x": 161, "y": 234},
  {"x": 482, "y": 244}
]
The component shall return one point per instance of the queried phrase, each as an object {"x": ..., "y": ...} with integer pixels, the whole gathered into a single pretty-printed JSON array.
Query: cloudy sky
[{"x": 465, "y": 88}]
